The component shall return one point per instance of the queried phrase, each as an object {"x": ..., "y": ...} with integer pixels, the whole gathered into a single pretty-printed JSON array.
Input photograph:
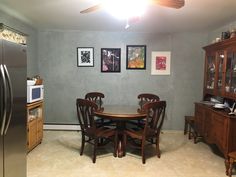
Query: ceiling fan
[{"x": 176, "y": 4}]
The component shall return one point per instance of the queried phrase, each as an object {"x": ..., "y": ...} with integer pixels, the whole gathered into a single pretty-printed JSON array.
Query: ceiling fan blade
[
  {"x": 91, "y": 9},
  {"x": 177, "y": 4}
]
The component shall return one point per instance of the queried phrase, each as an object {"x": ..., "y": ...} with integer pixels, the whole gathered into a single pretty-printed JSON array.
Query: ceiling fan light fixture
[{"x": 123, "y": 9}]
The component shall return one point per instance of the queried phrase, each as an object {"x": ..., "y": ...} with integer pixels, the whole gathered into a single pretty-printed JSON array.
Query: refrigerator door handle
[
  {"x": 4, "y": 99},
  {"x": 11, "y": 99}
]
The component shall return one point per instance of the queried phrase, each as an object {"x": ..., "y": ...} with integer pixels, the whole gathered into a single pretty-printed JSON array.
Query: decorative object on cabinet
[
  {"x": 136, "y": 57},
  {"x": 85, "y": 56},
  {"x": 34, "y": 124},
  {"x": 110, "y": 59},
  {"x": 160, "y": 63},
  {"x": 12, "y": 35}
]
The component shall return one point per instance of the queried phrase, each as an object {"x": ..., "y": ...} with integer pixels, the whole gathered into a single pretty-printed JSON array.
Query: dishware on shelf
[{"x": 219, "y": 106}]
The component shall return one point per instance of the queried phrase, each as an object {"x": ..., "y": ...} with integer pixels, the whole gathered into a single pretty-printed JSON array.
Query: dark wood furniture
[
  {"x": 89, "y": 129},
  {"x": 220, "y": 69},
  {"x": 144, "y": 98},
  {"x": 152, "y": 128},
  {"x": 96, "y": 97},
  {"x": 120, "y": 114},
  {"x": 189, "y": 126},
  {"x": 216, "y": 127},
  {"x": 147, "y": 98},
  {"x": 232, "y": 160}
]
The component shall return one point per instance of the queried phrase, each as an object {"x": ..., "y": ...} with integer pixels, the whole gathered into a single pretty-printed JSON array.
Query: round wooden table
[{"x": 120, "y": 114}]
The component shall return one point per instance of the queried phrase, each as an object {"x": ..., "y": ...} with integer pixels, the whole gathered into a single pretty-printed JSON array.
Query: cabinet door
[
  {"x": 219, "y": 127},
  {"x": 199, "y": 119},
  {"x": 32, "y": 134},
  {"x": 208, "y": 133},
  {"x": 230, "y": 78},
  {"x": 220, "y": 73},
  {"x": 210, "y": 73},
  {"x": 39, "y": 130}
]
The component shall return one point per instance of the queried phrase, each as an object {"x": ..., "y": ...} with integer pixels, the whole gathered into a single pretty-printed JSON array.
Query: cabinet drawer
[{"x": 219, "y": 129}]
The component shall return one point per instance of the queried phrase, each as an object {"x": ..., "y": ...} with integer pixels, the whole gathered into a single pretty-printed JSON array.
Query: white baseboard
[{"x": 60, "y": 127}]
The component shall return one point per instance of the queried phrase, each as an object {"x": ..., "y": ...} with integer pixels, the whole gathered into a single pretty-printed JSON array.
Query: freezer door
[
  {"x": 1, "y": 114},
  {"x": 1, "y": 156},
  {"x": 14, "y": 58}
]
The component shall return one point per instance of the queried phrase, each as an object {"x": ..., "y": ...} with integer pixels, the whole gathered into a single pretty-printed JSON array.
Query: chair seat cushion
[
  {"x": 139, "y": 133},
  {"x": 100, "y": 132}
]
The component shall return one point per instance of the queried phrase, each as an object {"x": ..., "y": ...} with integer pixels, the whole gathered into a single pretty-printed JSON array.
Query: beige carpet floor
[{"x": 58, "y": 156}]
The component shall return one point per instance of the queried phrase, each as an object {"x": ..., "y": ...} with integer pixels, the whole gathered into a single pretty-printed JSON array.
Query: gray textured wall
[
  {"x": 64, "y": 81},
  {"x": 32, "y": 65}
]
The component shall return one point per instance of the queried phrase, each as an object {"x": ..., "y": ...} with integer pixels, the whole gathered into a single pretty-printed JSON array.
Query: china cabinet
[
  {"x": 220, "y": 69},
  {"x": 215, "y": 125},
  {"x": 34, "y": 124}
]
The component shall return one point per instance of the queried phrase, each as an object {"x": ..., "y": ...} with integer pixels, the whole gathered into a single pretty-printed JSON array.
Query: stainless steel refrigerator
[{"x": 12, "y": 109}]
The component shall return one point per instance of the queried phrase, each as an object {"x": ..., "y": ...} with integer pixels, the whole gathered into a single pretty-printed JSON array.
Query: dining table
[{"x": 120, "y": 114}]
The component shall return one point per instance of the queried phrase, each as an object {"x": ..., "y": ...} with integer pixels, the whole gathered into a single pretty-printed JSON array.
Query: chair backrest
[
  {"x": 146, "y": 98},
  {"x": 85, "y": 113},
  {"x": 95, "y": 97},
  {"x": 155, "y": 116}
]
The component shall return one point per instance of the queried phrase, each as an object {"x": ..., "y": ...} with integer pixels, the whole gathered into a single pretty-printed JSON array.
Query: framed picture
[
  {"x": 110, "y": 59},
  {"x": 160, "y": 63},
  {"x": 85, "y": 56},
  {"x": 136, "y": 57}
]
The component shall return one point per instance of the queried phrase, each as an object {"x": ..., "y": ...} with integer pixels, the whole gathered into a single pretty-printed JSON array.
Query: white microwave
[{"x": 34, "y": 93}]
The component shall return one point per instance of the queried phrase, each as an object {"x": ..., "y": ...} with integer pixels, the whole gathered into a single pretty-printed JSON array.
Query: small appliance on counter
[{"x": 34, "y": 89}]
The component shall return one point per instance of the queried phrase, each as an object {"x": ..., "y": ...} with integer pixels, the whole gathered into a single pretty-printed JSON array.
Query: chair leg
[
  {"x": 95, "y": 149},
  {"x": 115, "y": 145},
  {"x": 82, "y": 144},
  {"x": 157, "y": 147},
  {"x": 189, "y": 133},
  {"x": 124, "y": 143},
  {"x": 231, "y": 161},
  {"x": 185, "y": 127},
  {"x": 142, "y": 151},
  {"x": 227, "y": 166}
]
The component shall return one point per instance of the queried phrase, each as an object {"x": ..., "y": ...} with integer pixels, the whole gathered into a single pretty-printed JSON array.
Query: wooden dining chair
[
  {"x": 143, "y": 98},
  {"x": 153, "y": 123},
  {"x": 97, "y": 97},
  {"x": 89, "y": 129},
  {"x": 146, "y": 98}
]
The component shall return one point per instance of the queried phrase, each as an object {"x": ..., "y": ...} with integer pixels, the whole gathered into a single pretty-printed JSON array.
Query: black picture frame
[
  {"x": 136, "y": 57},
  {"x": 85, "y": 56},
  {"x": 110, "y": 60}
]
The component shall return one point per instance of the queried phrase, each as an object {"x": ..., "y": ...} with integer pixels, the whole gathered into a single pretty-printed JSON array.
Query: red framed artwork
[{"x": 160, "y": 63}]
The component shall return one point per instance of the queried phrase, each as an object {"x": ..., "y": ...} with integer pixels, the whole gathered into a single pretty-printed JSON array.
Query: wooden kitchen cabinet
[
  {"x": 216, "y": 127},
  {"x": 34, "y": 124}
]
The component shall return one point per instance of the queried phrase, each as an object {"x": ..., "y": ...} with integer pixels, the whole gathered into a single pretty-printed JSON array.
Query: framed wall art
[
  {"x": 136, "y": 57},
  {"x": 85, "y": 56},
  {"x": 161, "y": 63},
  {"x": 110, "y": 59}
]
